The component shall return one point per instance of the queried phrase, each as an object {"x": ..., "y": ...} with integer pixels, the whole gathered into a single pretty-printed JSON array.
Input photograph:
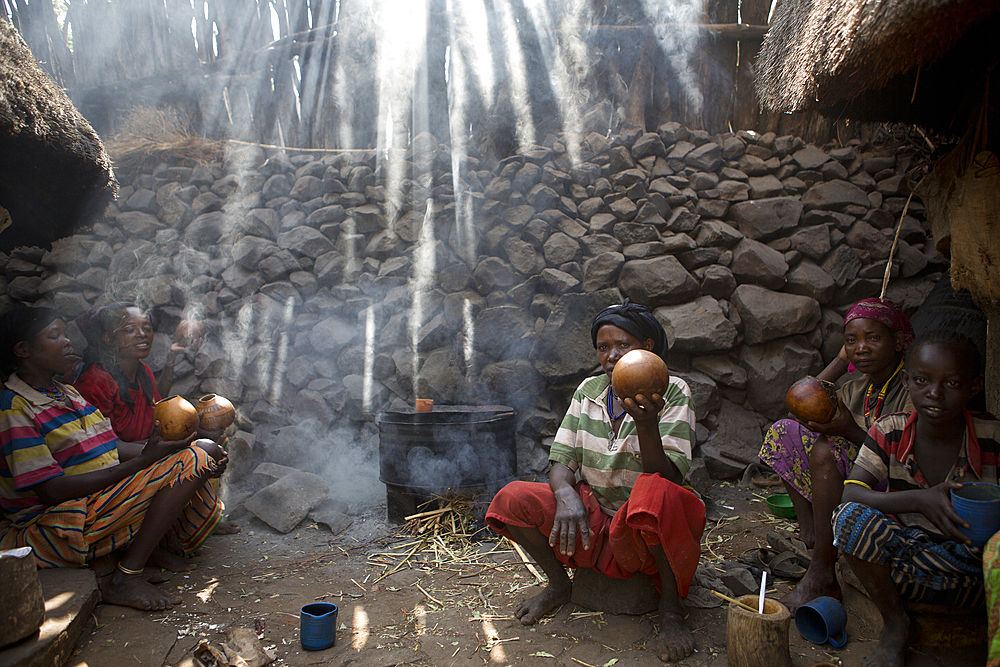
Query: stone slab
[{"x": 70, "y": 596}]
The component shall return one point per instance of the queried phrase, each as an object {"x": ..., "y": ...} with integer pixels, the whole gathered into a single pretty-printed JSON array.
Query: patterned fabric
[
  {"x": 786, "y": 449},
  {"x": 884, "y": 311},
  {"x": 585, "y": 441},
  {"x": 77, "y": 531},
  {"x": 132, "y": 423},
  {"x": 42, "y": 438},
  {"x": 658, "y": 512},
  {"x": 888, "y": 454},
  {"x": 923, "y": 569},
  {"x": 991, "y": 573},
  {"x": 788, "y": 443}
]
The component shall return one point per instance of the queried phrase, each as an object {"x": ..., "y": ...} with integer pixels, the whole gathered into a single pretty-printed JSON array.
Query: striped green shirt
[{"x": 585, "y": 442}]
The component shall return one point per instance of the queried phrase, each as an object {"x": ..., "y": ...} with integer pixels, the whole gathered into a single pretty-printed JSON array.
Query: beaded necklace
[
  {"x": 55, "y": 391},
  {"x": 611, "y": 409},
  {"x": 881, "y": 396},
  {"x": 612, "y": 437}
]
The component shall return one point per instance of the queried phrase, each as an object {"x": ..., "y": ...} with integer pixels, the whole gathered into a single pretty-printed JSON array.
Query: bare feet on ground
[
  {"x": 532, "y": 609},
  {"x": 226, "y": 528},
  {"x": 812, "y": 586},
  {"x": 131, "y": 590},
  {"x": 168, "y": 561},
  {"x": 896, "y": 639},
  {"x": 674, "y": 642}
]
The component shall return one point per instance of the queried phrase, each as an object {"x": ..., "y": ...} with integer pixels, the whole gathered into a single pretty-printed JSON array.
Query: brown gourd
[
  {"x": 640, "y": 372},
  {"x": 812, "y": 399}
]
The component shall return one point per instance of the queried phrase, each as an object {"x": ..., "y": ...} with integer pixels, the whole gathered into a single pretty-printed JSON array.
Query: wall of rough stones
[{"x": 339, "y": 284}]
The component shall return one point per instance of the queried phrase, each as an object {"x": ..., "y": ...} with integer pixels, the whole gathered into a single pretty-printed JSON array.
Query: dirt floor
[{"x": 432, "y": 599}]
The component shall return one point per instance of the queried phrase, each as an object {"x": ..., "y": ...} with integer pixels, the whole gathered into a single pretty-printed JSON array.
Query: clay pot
[
  {"x": 812, "y": 399},
  {"x": 215, "y": 412},
  {"x": 178, "y": 418},
  {"x": 640, "y": 372},
  {"x": 188, "y": 331}
]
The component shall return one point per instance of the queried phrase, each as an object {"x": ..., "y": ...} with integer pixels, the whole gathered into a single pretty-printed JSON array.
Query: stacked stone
[{"x": 308, "y": 269}]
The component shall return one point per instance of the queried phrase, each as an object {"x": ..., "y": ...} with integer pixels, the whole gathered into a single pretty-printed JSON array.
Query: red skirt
[{"x": 658, "y": 512}]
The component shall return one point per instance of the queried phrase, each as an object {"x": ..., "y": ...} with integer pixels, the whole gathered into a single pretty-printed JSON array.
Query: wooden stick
[
  {"x": 527, "y": 563},
  {"x": 732, "y": 601},
  {"x": 428, "y": 513},
  {"x": 429, "y": 596}
]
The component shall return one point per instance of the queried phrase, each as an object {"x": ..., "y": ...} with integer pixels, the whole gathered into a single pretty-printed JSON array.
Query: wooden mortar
[{"x": 758, "y": 640}]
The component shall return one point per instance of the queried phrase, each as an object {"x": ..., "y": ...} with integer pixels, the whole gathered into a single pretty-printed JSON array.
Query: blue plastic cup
[
  {"x": 822, "y": 620},
  {"x": 979, "y": 504},
  {"x": 318, "y": 626}
]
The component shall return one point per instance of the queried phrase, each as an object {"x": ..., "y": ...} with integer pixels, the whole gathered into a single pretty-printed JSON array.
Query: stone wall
[{"x": 339, "y": 284}]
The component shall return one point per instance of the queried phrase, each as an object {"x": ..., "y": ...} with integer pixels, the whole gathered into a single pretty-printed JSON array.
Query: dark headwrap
[
  {"x": 20, "y": 324},
  {"x": 636, "y": 320},
  {"x": 884, "y": 312},
  {"x": 93, "y": 325}
]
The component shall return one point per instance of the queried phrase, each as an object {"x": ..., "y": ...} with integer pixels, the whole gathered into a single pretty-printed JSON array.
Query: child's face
[
  {"x": 871, "y": 345},
  {"x": 939, "y": 382}
]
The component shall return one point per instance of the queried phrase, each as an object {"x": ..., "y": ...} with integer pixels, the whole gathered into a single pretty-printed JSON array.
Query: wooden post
[{"x": 746, "y": 107}]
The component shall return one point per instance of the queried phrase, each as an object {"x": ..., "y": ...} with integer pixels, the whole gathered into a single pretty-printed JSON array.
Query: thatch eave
[
  {"x": 865, "y": 59},
  {"x": 54, "y": 171}
]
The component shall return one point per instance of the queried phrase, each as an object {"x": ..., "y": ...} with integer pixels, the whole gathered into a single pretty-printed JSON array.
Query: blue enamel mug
[
  {"x": 822, "y": 620},
  {"x": 318, "y": 626}
]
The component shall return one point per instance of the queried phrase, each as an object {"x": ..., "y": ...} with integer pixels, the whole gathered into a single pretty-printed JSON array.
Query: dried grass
[{"x": 148, "y": 136}]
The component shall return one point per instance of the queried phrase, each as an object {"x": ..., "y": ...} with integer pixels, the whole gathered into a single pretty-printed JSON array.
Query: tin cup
[
  {"x": 979, "y": 504},
  {"x": 318, "y": 626},
  {"x": 822, "y": 620}
]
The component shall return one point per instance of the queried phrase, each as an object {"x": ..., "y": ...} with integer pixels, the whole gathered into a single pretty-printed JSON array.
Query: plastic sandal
[{"x": 786, "y": 565}]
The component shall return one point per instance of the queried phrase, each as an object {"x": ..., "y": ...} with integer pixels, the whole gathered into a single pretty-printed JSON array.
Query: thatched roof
[
  {"x": 54, "y": 172},
  {"x": 865, "y": 58}
]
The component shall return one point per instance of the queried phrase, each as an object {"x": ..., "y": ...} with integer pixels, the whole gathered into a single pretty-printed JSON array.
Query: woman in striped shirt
[{"x": 66, "y": 488}]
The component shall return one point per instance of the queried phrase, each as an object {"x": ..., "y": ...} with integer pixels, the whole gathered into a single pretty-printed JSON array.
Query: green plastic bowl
[{"x": 781, "y": 505}]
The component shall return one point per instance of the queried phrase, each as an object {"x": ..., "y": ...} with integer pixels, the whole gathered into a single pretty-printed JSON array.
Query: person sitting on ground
[
  {"x": 812, "y": 469},
  {"x": 906, "y": 543},
  {"x": 628, "y": 511},
  {"x": 116, "y": 379},
  {"x": 71, "y": 493},
  {"x": 114, "y": 376}
]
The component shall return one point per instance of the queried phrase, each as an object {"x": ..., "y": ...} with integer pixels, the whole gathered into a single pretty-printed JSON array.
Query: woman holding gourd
[
  {"x": 70, "y": 489},
  {"x": 812, "y": 468}
]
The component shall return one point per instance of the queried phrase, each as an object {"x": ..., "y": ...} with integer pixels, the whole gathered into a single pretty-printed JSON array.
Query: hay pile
[{"x": 148, "y": 136}]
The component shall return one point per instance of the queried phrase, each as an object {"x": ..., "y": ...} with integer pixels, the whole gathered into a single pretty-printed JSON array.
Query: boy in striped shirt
[{"x": 907, "y": 543}]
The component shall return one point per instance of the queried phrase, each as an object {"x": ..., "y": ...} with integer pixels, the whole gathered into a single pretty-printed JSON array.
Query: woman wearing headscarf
[
  {"x": 65, "y": 489},
  {"x": 628, "y": 512},
  {"x": 813, "y": 459}
]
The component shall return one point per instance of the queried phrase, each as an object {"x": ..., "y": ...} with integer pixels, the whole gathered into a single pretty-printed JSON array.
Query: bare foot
[
  {"x": 168, "y": 561},
  {"x": 816, "y": 583},
  {"x": 674, "y": 642},
  {"x": 897, "y": 637},
  {"x": 532, "y": 609},
  {"x": 226, "y": 528},
  {"x": 131, "y": 590}
]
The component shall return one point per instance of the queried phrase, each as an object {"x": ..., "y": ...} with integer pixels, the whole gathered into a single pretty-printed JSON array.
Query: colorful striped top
[
  {"x": 42, "y": 438},
  {"x": 888, "y": 454},
  {"x": 585, "y": 441}
]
